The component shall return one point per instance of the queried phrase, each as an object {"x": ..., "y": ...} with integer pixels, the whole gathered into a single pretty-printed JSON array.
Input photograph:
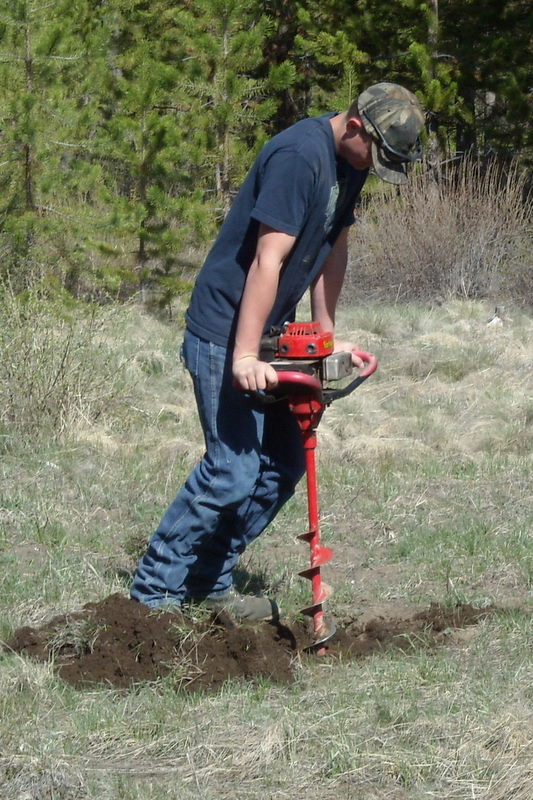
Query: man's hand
[
  {"x": 348, "y": 347},
  {"x": 253, "y": 375}
]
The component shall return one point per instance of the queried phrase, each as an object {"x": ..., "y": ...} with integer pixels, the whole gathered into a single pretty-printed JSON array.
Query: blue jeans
[{"x": 252, "y": 463}]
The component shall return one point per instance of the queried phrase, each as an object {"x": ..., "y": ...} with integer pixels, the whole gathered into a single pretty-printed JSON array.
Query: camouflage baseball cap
[{"x": 393, "y": 117}]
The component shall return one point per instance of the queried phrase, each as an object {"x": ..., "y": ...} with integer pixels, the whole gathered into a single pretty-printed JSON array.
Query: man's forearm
[
  {"x": 260, "y": 290},
  {"x": 326, "y": 289},
  {"x": 257, "y": 302},
  {"x": 258, "y": 299}
]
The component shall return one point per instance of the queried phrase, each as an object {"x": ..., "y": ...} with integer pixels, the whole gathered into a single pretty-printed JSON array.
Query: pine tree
[
  {"x": 333, "y": 55},
  {"x": 437, "y": 80},
  {"x": 229, "y": 105},
  {"x": 316, "y": 38},
  {"x": 491, "y": 42},
  {"x": 40, "y": 61},
  {"x": 338, "y": 47},
  {"x": 154, "y": 204}
]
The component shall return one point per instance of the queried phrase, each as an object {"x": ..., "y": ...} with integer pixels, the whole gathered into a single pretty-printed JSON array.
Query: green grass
[{"x": 425, "y": 478}]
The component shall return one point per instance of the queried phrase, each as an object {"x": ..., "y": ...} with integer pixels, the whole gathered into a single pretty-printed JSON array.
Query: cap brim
[{"x": 390, "y": 171}]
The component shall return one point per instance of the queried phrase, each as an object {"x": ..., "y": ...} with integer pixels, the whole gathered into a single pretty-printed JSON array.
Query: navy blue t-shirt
[{"x": 298, "y": 186}]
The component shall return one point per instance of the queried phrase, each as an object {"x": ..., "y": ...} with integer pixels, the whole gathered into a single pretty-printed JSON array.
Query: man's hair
[{"x": 353, "y": 111}]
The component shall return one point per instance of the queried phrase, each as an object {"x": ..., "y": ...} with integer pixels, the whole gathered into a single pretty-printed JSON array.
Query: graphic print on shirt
[{"x": 331, "y": 208}]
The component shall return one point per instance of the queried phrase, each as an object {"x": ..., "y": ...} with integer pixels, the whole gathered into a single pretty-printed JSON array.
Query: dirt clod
[{"x": 120, "y": 642}]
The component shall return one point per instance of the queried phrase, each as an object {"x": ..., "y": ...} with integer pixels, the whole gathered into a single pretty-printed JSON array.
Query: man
[{"x": 287, "y": 231}]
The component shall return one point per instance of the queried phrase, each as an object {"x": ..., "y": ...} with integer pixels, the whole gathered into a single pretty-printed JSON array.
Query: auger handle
[
  {"x": 294, "y": 380},
  {"x": 305, "y": 381},
  {"x": 300, "y": 381}
]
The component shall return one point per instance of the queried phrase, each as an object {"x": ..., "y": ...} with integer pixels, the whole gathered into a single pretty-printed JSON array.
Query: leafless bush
[
  {"x": 53, "y": 367},
  {"x": 468, "y": 236}
]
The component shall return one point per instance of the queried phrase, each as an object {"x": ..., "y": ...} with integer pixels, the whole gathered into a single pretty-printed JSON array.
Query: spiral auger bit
[{"x": 302, "y": 355}]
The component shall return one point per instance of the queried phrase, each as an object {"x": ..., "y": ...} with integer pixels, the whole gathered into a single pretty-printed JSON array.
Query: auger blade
[
  {"x": 320, "y": 556},
  {"x": 325, "y": 632},
  {"x": 325, "y": 592}
]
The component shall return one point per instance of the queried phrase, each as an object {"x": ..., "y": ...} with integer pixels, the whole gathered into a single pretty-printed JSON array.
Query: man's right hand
[{"x": 253, "y": 375}]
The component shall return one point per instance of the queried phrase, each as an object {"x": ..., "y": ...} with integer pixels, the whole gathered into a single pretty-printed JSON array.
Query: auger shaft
[
  {"x": 308, "y": 408},
  {"x": 319, "y": 554}
]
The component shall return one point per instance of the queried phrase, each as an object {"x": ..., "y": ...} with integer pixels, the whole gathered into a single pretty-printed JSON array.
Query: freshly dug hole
[{"x": 120, "y": 642}]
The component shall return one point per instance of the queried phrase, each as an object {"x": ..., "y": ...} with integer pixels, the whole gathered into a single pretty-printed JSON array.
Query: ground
[{"x": 120, "y": 642}]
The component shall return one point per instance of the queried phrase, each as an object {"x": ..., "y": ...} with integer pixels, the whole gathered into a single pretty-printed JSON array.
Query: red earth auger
[{"x": 302, "y": 355}]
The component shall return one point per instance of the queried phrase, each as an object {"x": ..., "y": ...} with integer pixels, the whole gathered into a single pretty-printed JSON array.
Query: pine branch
[{"x": 6, "y": 58}]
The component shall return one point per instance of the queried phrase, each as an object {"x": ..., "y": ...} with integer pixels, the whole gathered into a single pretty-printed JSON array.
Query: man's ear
[{"x": 354, "y": 125}]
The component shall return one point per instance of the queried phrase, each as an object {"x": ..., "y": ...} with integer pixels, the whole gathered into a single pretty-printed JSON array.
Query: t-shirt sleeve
[
  {"x": 349, "y": 218},
  {"x": 287, "y": 185}
]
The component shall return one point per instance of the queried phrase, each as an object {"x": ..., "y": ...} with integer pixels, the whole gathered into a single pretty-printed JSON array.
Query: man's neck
[{"x": 338, "y": 125}]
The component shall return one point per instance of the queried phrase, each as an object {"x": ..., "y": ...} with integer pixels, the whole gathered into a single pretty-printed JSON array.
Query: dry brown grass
[{"x": 511, "y": 743}]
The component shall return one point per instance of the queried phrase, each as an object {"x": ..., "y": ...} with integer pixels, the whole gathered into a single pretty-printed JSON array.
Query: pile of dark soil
[{"x": 119, "y": 642}]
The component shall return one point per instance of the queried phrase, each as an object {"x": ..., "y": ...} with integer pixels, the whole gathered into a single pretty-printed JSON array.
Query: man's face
[{"x": 356, "y": 145}]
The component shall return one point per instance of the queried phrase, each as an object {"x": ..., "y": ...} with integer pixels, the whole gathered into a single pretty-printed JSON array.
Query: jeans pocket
[{"x": 189, "y": 355}]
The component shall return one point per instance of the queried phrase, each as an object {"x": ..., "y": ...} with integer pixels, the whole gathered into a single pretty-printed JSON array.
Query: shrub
[
  {"x": 55, "y": 367},
  {"x": 468, "y": 235}
]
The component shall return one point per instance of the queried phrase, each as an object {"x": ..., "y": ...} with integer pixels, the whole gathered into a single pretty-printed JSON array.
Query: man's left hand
[{"x": 348, "y": 347}]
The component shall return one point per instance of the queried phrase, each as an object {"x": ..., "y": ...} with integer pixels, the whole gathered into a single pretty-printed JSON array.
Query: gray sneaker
[{"x": 248, "y": 608}]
